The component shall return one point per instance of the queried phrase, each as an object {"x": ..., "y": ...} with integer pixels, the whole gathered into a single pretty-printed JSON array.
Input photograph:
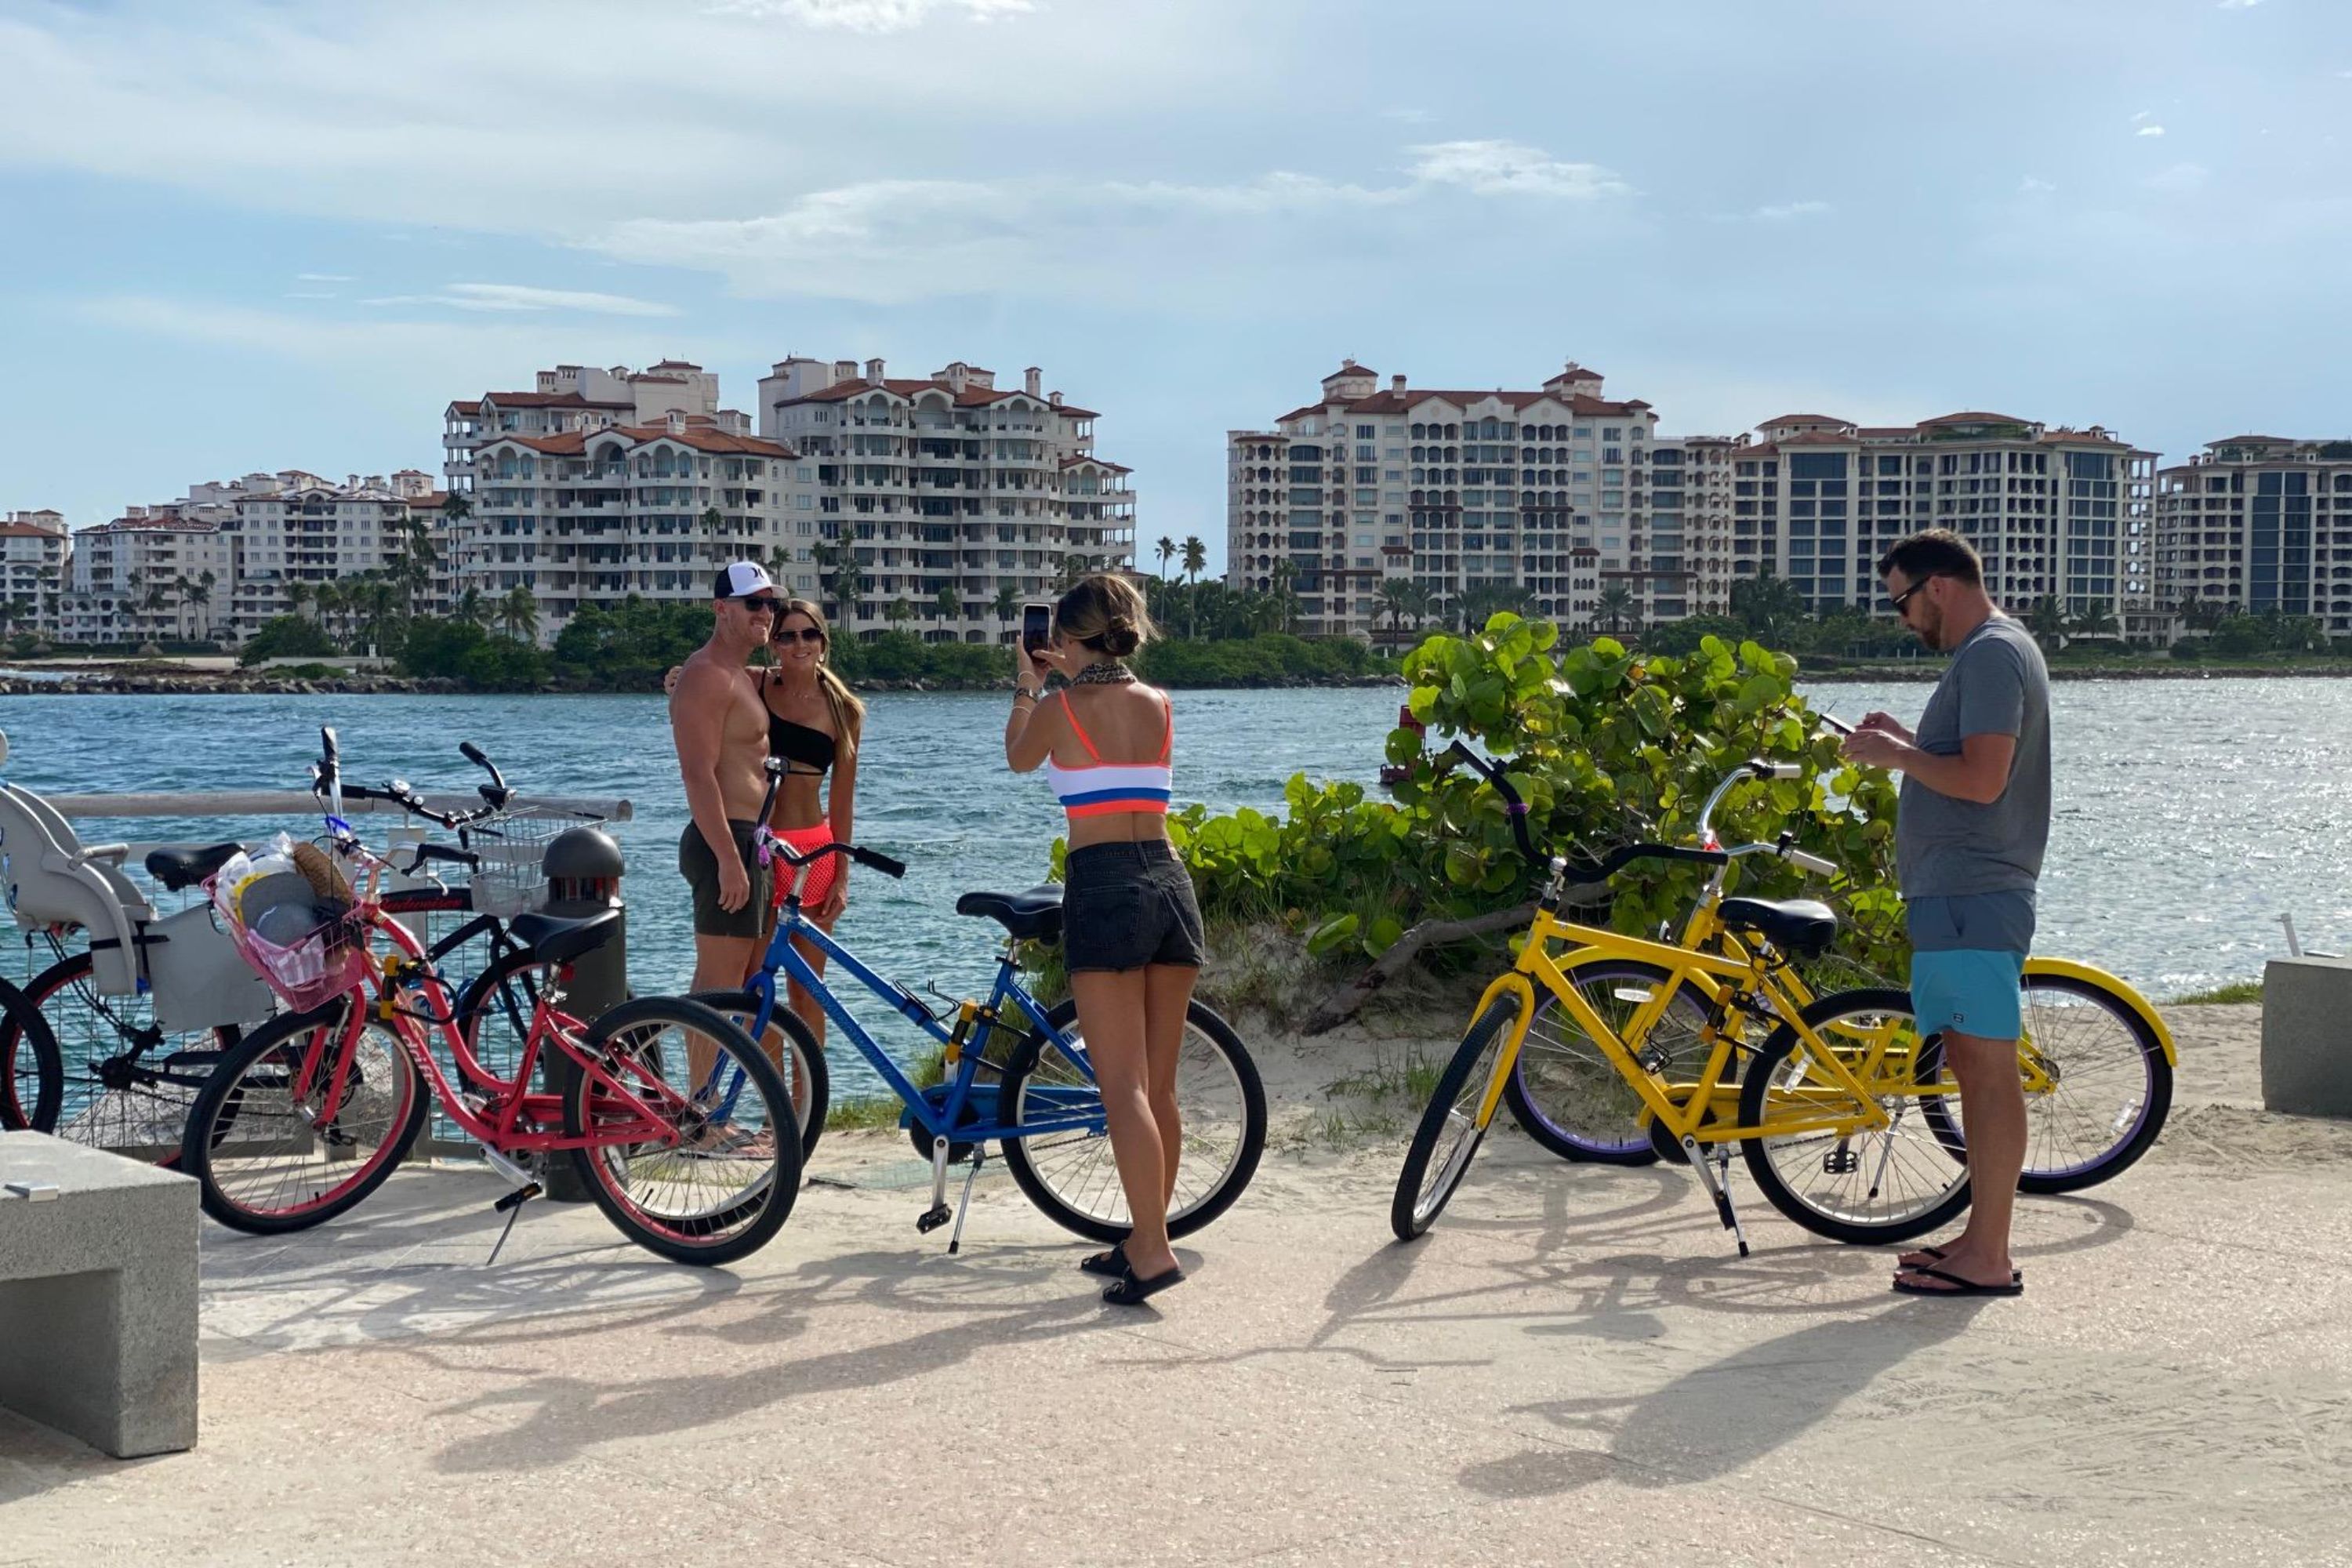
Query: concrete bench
[
  {"x": 98, "y": 1296},
  {"x": 2308, "y": 1036}
]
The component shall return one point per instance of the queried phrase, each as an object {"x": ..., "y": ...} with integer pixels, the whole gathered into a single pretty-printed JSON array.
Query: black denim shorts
[{"x": 1128, "y": 905}]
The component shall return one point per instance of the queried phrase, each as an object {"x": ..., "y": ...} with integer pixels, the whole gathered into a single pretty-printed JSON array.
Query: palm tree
[
  {"x": 1616, "y": 605},
  {"x": 950, "y": 602},
  {"x": 1008, "y": 601},
  {"x": 517, "y": 615},
  {"x": 899, "y": 611},
  {"x": 297, "y": 594},
  {"x": 379, "y": 603},
  {"x": 2047, "y": 622},
  {"x": 713, "y": 523},
  {"x": 1396, "y": 599},
  {"x": 1767, "y": 605},
  {"x": 846, "y": 580},
  {"x": 2095, "y": 622},
  {"x": 1285, "y": 573},
  {"x": 470, "y": 610},
  {"x": 1196, "y": 560},
  {"x": 415, "y": 570}
]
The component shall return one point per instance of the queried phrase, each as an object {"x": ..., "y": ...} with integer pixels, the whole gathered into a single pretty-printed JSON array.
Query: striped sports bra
[{"x": 1098, "y": 788}]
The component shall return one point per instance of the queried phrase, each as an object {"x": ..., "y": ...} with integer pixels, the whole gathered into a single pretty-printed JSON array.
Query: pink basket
[{"x": 323, "y": 965}]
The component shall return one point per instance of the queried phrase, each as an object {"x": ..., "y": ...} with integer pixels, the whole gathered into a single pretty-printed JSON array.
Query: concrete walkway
[{"x": 1573, "y": 1366}]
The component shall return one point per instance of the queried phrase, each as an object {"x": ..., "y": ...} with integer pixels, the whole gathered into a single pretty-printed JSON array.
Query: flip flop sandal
[
  {"x": 1938, "y": 1254},
  {"x": 1111, "y": 1265},
  {"x": 1133, "y": 1293},
  {"x": 1907, "y": 1284}
]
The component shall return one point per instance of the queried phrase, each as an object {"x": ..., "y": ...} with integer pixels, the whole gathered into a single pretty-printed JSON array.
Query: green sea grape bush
[{"x": 1607, "y": 746}]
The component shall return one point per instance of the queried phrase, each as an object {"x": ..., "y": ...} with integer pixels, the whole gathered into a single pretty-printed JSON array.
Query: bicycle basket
[
  {"x": 289, "y": 909},
  {"x": 510, "y": 881}
]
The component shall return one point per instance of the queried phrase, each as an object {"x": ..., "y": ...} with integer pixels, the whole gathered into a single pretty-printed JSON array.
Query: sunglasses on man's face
[
  {"x": 805, "y": 634},
  {"x": 762, "y": 604},
  {"x": 1903, "y": 598}
]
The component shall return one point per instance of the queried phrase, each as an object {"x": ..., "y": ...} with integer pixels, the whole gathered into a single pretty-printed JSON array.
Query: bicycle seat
[
  {"x": 1033, "y": 916},
  {"x": 553, "y": 939},
  {"x": 1797, "y": 925},
  {"x": 180, "y": 868}
]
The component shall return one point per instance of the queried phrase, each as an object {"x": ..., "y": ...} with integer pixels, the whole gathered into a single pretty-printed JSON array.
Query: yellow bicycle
[
  {"x": 2095, "y": 1059},
  {"x": 1831, "y": 1108}
]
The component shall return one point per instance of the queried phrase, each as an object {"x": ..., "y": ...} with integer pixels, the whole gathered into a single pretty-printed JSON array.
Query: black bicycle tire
[
  {"x": 756, "y": 1065},
  {"x": 1405, "y": 1220},
  {"x": 195, "y": 1144},
  {"x": 1039, "y": 1192},
  {"x": 2123, "y": 1155},
  {"x": 22, "y": 1028},
  {"x": 65, "y": 977},
  {"x": 1539, "y": 1127},
  {"x": 1757, "y": 1084},
  {"x": 810, "y": 1055}
]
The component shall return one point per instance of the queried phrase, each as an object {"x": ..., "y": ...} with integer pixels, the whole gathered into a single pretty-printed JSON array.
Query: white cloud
[
  {"x": 1787, "y": 212},
  {"x": 2239, "y": 4},
  {"x": 523, "y": 296},
  {"x": 2150, "y": 131},
  {"x": 2034, "y": 187},
  {"x": 890, "y": 241},
  {"x": 1511, "y": 168},
  {"x": 869, "y": 16},
  {"x": 323, "y": 278},
  {"x": 463, "y": 356},
  {"x": 2180, "y": 177}
]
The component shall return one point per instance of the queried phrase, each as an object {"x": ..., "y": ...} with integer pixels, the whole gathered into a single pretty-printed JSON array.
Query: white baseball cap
[{"x": 741, "y": 580}]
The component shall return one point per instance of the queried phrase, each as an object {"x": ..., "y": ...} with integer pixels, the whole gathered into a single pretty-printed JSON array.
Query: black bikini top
[{"x": 814, "y": 750}]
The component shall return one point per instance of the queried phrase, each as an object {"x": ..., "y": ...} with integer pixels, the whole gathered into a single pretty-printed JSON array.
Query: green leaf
[{"x": 1331, "y": 934}]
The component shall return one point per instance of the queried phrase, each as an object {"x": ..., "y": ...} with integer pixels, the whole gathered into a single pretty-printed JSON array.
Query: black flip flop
[
  {"x": 1133, "y": 1293},
  {"x": 1111, "y": 1265},
  {"x": 1938, "y": 1254},
  {"x": 1959, "y": 1287}
]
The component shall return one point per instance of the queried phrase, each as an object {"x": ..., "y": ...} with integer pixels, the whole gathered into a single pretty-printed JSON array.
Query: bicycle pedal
[
  {"x": 1841, "y": 1162},
  {"x": 930, "y": 1220}
]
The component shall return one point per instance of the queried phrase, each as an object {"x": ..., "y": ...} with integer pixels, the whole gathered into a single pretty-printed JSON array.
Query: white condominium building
[
  {"x": 1574, "y": 505},
  {"x": 575, "y": 398},
  {"x": 2055, "y": 513},
  {"x": 33, "y": 570},
  {"x": 155, "y": 573},
  {"x": 294, "y": 528},
  {"x": 2258, "y": 524},
  {"x": 1555, "y": 495},
  {"x": 592, "y": 515},
  {"x": 957, "y": 499}
]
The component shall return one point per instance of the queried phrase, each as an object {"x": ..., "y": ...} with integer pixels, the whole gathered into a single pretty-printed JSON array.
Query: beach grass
[{"x": 2235, "y": 991}]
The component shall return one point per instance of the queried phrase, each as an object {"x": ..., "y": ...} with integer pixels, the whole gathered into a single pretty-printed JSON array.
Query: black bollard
[{"x": 583, "y": 867}]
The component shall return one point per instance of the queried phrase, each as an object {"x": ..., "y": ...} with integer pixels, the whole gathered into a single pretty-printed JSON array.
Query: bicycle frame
[
  {"x": 1845, "y": 1107},
  {"x": 528, "y": 1122},
  {"x": 942, "y": 1117}
]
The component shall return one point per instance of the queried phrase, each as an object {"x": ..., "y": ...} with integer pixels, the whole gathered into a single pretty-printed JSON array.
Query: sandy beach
[{"x": 1571, "y": 1366}]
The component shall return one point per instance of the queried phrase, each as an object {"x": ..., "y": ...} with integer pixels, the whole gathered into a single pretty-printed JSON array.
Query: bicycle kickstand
[
  {"x": 1717, "y": 1180},
  {"x": 971, "y": 1174},
  {"x": 931, "y": 1218},
  {"x": 510, "y": 1205}
]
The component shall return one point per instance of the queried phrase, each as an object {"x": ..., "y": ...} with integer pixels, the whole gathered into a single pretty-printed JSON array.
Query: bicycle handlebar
[
  {"x": 1608, "y": 865},
  {"x": 426, "y": 852},
  {"x": 863, "y": 855}
]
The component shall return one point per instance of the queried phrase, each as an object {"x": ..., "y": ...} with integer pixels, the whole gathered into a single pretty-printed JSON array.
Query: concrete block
[
  {"x": 98, "y": 1295},
  {"x": 2308, "y": 1037}
]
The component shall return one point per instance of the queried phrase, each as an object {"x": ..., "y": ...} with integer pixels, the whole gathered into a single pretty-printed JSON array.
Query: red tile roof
[
  {"x": 1973, "y": 418},
  {"x": 2242, "y": 440},
  {"x": 969, "y": 397},
  {"x": 1350, "y": 367},
  {"x": 1300, "y": 413},
  {"x": 25, "y": 530},
  {"x": 1414, "y": 397},
  {"x": 674, "y": 365},
  {"x": 461, "y": 406},
  {"x": 1817, "y": 438},
  {"x": 1801, "y": 419},
  {"x": 547, "y": 400},
  {"x": 1097, "y": 462}
]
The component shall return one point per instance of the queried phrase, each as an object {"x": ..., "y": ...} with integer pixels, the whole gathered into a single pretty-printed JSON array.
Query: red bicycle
[{"x": 669, "y": 1113}]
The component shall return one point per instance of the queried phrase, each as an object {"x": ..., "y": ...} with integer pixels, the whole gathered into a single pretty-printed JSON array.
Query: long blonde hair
[{"x": 848, "y": 712}]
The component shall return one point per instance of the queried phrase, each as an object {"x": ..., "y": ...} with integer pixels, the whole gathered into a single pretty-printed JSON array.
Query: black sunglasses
[
  {"x": 1904, "y": 597},
  {"x": 764, "y": 605},
  {"x": 805, "y": 634}
]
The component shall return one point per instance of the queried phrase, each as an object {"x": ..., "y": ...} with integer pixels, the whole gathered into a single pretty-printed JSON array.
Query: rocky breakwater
[{"x": 98, "y": 684}]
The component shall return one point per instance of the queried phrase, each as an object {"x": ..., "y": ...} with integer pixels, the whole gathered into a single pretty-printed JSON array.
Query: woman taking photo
[{"x": 1131, "y": 929}]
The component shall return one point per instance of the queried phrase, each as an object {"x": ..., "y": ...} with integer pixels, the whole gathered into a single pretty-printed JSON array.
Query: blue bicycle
[{"x": 1017, "y": 1071}]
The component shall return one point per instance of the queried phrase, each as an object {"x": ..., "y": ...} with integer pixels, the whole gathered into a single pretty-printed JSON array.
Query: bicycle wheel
[
  {"x": 126, "y": 1083},
  {"x": 1451, "y": 1128},
  {"x": 1862, "y": 1186},
  {"x": 708, "y": 1181},
  {"x": 1070, "y": 1176},
  {"x": 1566, "y": 1093},
  {"x": 794, "y": 1051},
  {"x": 32, "y": 1078},
  {"x": 2103, "y": 1088},
  {"x": 269, "y": 1159}
]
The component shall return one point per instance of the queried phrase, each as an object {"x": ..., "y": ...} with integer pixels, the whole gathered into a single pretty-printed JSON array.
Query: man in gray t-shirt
[{"x": 1974, "y": 820}]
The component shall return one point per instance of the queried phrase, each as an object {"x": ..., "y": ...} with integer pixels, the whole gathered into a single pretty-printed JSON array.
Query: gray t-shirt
[{"x": 1996, "y": 685}]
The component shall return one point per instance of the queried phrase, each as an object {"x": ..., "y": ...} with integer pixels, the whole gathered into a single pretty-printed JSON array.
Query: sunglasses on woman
[{"x": 805, "y": 634}]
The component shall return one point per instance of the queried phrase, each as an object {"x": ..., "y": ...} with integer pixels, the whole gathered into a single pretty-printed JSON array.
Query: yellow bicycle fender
[
  {"x": 2067, "y": 969},
  {"x": 1513, "y": 984}
]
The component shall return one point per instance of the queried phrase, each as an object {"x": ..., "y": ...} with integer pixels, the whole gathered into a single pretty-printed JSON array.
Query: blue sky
[{"x": 247, "y": 234}]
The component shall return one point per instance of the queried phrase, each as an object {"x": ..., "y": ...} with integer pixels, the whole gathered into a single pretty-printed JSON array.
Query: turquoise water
[{"x": 2189, "y": 813}]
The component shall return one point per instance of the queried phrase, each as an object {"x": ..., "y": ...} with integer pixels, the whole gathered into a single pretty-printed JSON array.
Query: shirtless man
[{"x": 722, "y": 730}]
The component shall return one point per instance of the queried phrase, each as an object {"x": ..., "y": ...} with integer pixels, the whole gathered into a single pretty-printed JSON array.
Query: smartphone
[
  {"x": 1036, "y": 626},
  {"x": 1832, "y": 722}
]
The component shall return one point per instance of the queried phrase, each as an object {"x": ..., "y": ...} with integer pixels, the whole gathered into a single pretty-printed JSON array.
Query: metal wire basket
[{"x": 510, "y": 881}]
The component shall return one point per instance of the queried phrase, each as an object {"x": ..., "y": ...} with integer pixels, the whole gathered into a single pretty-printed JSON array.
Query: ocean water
[{"x": 2190, "y": 814}]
